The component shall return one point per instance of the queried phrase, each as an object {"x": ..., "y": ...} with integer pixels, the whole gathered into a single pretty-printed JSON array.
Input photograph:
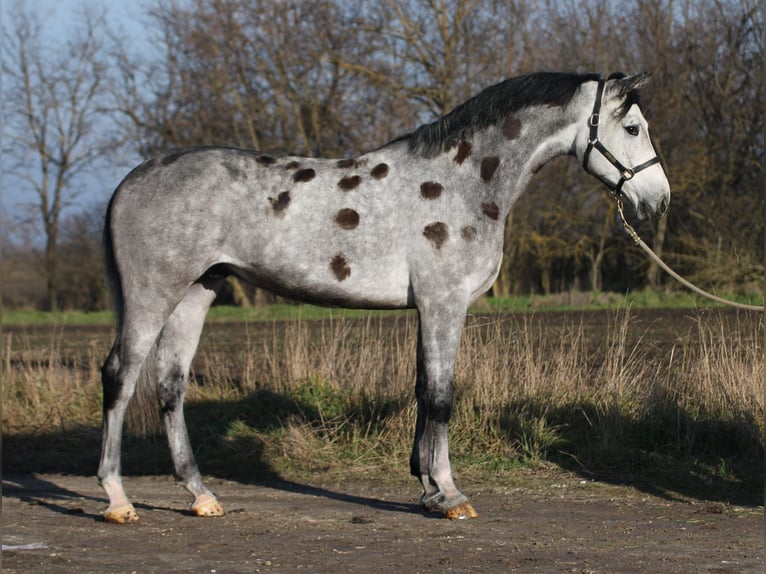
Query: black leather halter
[{"x": 626, "y": 173}]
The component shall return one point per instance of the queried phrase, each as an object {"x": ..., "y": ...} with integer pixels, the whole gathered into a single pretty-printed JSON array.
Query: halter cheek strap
[{"x": 626, "y": 173}]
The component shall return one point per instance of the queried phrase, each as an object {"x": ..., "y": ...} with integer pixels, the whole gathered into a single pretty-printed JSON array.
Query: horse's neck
[{"x": 524, "y": 143}]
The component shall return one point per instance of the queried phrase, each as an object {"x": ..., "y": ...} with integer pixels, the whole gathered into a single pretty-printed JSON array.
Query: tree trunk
[
  {"x": 653, "y": 273},
  {"x": 238, "y": 292},
  {"x": 596, "y": 282},
  {"x": 502, "y": 286},
  {"x": 598, "y": 257},
  {"x": 547, "y": 279},
  {"x": 51, "y": 272}
]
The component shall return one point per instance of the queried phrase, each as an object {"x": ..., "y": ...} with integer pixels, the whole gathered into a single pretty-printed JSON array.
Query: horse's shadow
[
  {"x": 367, "y": 502},
  {"x": 58, "y": 499},
  {"x": 32, "y": 489}
]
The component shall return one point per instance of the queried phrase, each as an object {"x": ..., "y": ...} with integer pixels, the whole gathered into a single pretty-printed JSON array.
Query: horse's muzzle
[{"x": 649, "y": 209}]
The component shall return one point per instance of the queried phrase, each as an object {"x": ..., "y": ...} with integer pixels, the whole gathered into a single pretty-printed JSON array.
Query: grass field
[{"x": 671, "y": 399}]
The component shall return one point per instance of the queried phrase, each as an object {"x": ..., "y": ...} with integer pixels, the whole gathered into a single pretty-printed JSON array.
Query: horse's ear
[{"x": 621, "y": 87}]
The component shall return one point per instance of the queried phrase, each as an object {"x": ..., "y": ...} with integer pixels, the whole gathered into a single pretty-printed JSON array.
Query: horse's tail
[
  {"x": 141, "y": 417},
  {"x": 110, "y": 263}
]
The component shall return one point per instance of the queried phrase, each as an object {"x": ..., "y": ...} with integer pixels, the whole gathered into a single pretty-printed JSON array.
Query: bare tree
[
  {"x": 52, "y": 105},
  {"x": 723, "y": 96},
  {"x": 251, "y": 74},
  {"x": 81, "y": 261},
  {"x": 562, "y": 228},
  {"x": 437, "y": 53}
]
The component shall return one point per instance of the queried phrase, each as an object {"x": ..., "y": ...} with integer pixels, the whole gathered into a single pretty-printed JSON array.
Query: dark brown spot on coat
[
  {"x": 468, "y": 232},
  {"x": 340, "y": 267},
  {"x": 488, "y": 167},
  {"x": 292, "y": 165},
  {"x": 437, "y": 233},
  {"x": 463, "y": 152},
  {"x": 265, "y": 159},
  {"x": 431, "y": 189},
  {"x": 350, "y": 182},
  {"x": 491, "y": 210},
  {"x": 379, "y": 171},
  {"x": 511, "y": 127},
  {"x": 281, "y": 202},
  {"x": 346, "y": 163},
  {"x": 347, "y": 218},
  {"x": 304, "y": 175}
]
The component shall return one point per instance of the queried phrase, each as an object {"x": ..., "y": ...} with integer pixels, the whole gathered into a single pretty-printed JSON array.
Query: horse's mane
[{"x": 491, "y": 106}]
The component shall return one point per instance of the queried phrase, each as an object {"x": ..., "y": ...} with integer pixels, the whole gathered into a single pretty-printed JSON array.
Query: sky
[{"x": 59, "y": 18}]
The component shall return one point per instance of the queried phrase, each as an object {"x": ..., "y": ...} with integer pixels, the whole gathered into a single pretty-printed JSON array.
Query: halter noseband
[{"x": 626, "y": 173}]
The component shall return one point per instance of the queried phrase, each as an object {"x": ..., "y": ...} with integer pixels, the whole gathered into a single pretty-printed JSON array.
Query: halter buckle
[{"x": 594, "y": 120}]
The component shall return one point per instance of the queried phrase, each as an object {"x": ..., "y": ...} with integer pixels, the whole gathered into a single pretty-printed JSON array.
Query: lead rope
[{"x": 640, "y": 242}]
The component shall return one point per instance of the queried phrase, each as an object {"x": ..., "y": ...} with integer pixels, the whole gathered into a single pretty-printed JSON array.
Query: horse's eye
[{"x": 632, "y": 130}]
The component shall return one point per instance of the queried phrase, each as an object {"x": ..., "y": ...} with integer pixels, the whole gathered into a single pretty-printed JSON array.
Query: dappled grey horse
[{"x": 417, "y": 223}]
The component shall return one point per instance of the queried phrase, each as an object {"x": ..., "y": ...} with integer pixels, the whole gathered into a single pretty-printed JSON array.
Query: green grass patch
[
  {"x": 62, "y": 318},
  {"x": 573, "y": 301}
]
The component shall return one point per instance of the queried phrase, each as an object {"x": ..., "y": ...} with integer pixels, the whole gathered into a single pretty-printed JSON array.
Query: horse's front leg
[{"x": 438, "y": 340}]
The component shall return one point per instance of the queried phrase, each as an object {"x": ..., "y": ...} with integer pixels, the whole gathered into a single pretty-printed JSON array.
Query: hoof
[
  {"x": 461, "y": 511},
  {"x": 460, "y": 508},
  {"x": 125, "y": 514},
  {"x": 432, "y": 504},
  {"x": 207, "y": 505}
]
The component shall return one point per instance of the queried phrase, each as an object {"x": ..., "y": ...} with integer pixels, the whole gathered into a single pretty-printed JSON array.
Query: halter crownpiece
[{"x": 626, "y": 173}]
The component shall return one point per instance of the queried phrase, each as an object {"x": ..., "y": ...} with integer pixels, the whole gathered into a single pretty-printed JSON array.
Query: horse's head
[{"x": 616, "y": 148}]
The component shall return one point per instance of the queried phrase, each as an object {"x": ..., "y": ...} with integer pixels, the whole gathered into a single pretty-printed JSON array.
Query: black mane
[{"x": 493, "y": 105}]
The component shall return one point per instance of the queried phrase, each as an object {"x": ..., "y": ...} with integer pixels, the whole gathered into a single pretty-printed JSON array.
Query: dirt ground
[{"x": 549, "y": 522}]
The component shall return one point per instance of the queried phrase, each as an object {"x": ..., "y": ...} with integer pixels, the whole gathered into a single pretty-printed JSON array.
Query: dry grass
[
  {"x": 338, "y": 394},
  {"x": 42, "y": 390}
]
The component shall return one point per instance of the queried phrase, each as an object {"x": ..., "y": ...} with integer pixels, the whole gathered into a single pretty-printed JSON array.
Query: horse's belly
[{"x": 341, "y": 283}]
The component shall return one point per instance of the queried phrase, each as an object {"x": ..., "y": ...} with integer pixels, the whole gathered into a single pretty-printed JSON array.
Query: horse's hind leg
[
  {"x": 138, "y": 331},
  {"x": 175, "y": 349}
]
